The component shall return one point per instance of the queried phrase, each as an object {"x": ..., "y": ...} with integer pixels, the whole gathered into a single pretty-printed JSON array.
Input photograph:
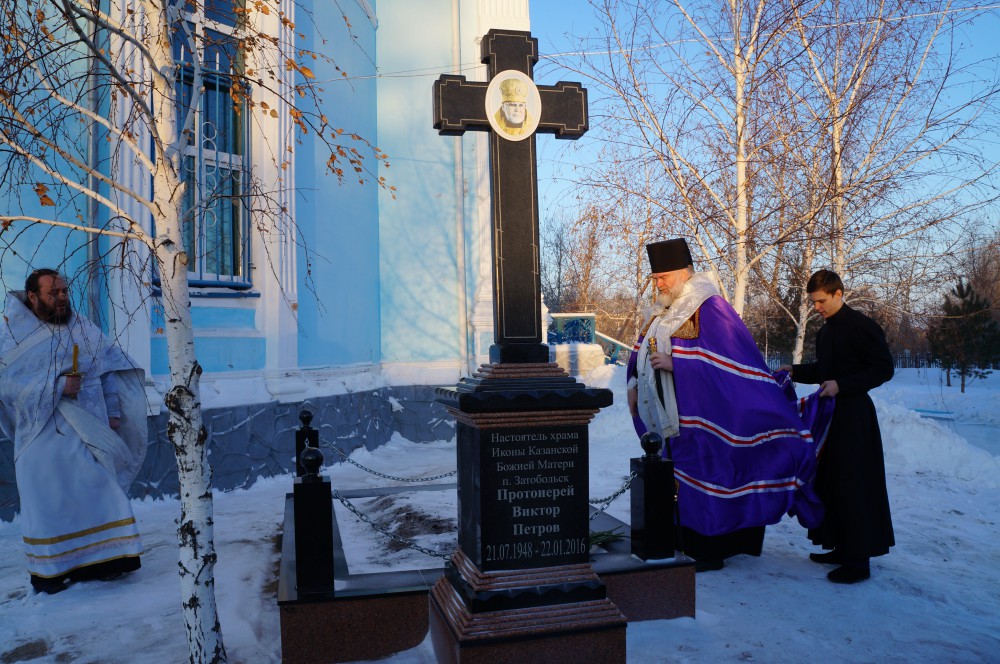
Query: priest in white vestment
[{"x": 74, "y": 405}]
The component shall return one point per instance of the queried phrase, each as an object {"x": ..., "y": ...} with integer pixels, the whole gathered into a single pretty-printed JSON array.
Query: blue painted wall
[
  {"x": 36, "y": 246},
  {"x": 24, "y": 248},
  {"x": 419, "y": 263},
  {"x": 338, "y": 275},
  {"x": 234, "y": 344},
  {"x": 216, "y": 354}
]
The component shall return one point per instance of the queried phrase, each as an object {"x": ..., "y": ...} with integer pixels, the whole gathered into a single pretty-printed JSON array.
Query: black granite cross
[{"x": 460, "y": 105}]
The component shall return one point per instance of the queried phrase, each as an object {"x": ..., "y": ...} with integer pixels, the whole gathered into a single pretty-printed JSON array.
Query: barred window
[{"x": 215, "y": 163}]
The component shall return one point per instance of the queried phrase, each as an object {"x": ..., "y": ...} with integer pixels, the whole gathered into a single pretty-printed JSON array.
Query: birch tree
[
  {"x": 902, "y": 121},
  {"x": 572, "y": 270},
  {"x": 129, "y": 77},
  {"x": 632, "y": 223},
  {"x": 900, "y": 127},
  {"x": 798, "y": 134},
  {"x": 684, "y": 89},
  {"x": 554, "y": 266}
]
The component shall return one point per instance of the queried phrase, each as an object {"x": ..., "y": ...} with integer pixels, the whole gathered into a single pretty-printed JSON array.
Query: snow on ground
[{"x": 933, "y": 598}]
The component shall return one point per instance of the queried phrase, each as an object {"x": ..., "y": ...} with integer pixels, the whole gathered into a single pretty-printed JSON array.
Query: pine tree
[{"x": 965, "y": 338}]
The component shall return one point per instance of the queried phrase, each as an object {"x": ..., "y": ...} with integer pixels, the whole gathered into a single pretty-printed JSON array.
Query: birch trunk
[
  {"x": 838, "y": 245},
  {"x": 742, "y": 199},
  {"x": 805, "y": 308},
  {"x": 185, "y": 430},
  {"x": 800, "y": 331}
]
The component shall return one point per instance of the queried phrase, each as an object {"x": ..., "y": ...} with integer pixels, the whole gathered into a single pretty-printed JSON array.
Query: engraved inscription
[{"x": 534, "y": 493}]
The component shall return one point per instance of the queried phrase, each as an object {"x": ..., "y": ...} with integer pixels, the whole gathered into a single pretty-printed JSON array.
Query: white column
[
  {"x": 274, "y": 261},
  {"x": 512, "y": 14},
  {"x": 130, "y": 283}
]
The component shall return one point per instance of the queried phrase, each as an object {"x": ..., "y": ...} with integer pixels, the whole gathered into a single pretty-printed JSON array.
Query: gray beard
[{"x": 667, "y": 298}]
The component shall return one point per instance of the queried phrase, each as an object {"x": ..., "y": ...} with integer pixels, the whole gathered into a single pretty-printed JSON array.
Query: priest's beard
[
  {"x": 667, "y": 297},
  {"x": 58, "y": 314}
]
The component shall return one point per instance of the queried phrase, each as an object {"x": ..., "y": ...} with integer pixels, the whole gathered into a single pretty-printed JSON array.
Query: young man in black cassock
[{"x": 852, "y": 357}]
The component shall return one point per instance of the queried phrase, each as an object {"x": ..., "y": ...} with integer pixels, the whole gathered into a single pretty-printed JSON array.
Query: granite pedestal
[
  {"x": 521, "y": 583},
  {"x": 374, "y": 615},
  {"x": 366, "y": 616}
]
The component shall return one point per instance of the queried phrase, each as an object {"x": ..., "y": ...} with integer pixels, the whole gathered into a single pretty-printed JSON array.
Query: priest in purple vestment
[{"x": 743, "y": 456}]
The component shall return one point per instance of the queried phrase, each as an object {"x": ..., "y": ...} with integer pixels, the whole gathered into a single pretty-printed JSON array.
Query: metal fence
[
  {"x": 581, "y": 328},
  {"x": 904, "y": 360}
]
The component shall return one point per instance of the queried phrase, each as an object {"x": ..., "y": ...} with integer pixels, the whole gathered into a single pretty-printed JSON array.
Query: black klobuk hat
[{"x": 668, "y": 255}]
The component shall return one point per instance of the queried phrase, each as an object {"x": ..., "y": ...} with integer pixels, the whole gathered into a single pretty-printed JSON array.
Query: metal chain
[
  {"x": 383, "y": 475},
  {"x": 606, "y": 502},
  {"x": 434, "y": 554},
  {"x": 407, "y": 543}
]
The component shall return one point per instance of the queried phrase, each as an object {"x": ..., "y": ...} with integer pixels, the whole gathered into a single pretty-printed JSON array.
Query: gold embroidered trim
[
  {"x": 73, "y": 552},
  {"x": 89, "y": 531},
  {"x": 647, "y": 326},
  {"x": 690, "y": 328}
]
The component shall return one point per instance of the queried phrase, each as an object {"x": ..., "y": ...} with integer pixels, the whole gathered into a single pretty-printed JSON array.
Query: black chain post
[
  {"x": 305, "y": 436},
  {"x": 313, "y": 508},
  {"x": 653, "y": 500}
]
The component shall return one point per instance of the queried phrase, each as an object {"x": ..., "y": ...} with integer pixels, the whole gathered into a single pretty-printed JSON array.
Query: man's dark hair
[
  {"x": 825, "y": 280},
  {"x": 31, "y": 283}
]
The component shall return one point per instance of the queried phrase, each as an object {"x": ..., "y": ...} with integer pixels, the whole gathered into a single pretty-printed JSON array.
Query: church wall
[
  {"x": 25, "y": 248},
  {"x": 37, "y": 246},
  {"x": 338, "y": 278},
  {"x": 226, "y": 337},
  {"x": 422, "y": 250}
]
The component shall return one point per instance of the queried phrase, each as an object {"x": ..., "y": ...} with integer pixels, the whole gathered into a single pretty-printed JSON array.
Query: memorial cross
[{"x": 512, "y": 108}]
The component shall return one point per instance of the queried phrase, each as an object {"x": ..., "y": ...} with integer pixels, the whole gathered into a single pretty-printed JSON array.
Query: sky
[
  {"x": 558, "y": 25},
  {"x": 562, "y": 26},
  {"x": 933, "y": 598}
]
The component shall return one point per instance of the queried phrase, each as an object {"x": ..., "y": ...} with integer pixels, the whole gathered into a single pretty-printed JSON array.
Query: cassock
[
  {"x": 743, "y": 455},
  {"x": 72, "y": 469},
  {"x": 851, "y": 349}
]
